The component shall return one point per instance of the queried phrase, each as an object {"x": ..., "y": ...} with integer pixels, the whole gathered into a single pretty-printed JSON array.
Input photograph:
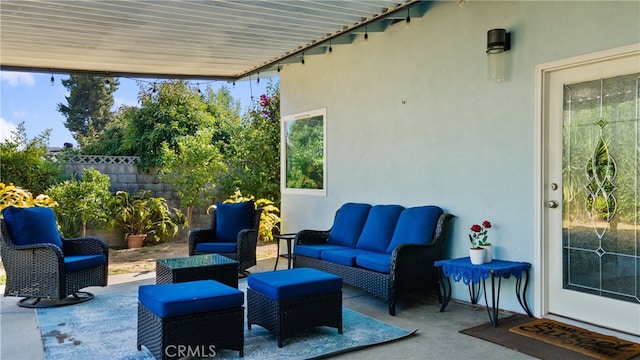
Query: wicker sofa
[{"x": 385, "y": 250}]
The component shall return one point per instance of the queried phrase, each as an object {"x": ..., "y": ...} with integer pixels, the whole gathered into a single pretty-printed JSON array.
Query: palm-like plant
[{"x": 141, "y": 213}]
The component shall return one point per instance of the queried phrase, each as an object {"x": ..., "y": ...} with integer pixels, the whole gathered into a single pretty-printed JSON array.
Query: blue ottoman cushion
[
  {"x": 191, "y": 297},
  {"x": 294, "y": 283}
]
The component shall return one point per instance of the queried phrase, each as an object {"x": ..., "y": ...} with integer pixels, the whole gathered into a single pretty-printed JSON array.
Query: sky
[{"x": 32, "y": 98}]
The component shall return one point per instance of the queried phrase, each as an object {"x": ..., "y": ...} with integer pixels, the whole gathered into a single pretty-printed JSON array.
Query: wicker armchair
[
  {"x": 241, "y": 246},
  {"x": 46, "y": 271}
]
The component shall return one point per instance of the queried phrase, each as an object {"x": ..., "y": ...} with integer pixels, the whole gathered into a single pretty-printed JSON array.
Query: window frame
[{"x": 285, "y": 123}]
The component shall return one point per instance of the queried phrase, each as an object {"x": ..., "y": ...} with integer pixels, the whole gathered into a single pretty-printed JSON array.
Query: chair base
[{"x": 39, "y": 303}]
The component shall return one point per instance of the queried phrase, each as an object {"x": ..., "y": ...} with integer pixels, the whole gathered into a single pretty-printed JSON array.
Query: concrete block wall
[{"x": 124, "y": 175}]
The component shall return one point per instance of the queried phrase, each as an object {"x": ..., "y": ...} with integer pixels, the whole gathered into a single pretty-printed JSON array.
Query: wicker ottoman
[
  {"x": 192, "y": 318},
  {"x": 285, "y": 302}
]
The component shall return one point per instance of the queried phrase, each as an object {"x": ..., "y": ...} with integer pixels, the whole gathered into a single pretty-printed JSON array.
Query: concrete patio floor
[{"x": 438, "y": 336}]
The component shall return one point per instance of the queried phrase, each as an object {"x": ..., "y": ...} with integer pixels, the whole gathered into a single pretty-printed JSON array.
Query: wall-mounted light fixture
[{"x": 498, "y": 41}]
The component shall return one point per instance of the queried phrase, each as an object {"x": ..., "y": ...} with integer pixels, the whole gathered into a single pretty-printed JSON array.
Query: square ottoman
[
  {"x": 285, "y": 302},
  {"x": 191, "y": 318}
]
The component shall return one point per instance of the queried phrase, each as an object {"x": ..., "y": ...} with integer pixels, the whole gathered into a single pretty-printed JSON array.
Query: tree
[
  {"x": 88, "y": 108},
  {"x": 168, "y": 111},
  {"x": 24, "y": 162},
  {"x": 192, "y": 168},
  {"x": 109, "y": 141},
  {"x": 84, "y": 201},
  {"x": 254, "y": 158}
]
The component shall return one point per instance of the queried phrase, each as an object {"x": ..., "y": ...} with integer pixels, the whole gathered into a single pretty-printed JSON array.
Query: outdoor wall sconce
[{"x": 498, "y": 41}]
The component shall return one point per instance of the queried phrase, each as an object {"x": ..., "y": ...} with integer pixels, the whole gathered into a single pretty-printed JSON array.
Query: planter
[
  {"x": 488, "y": 253},
  {"x": 477, "y": 256},
  {"x": 135, "y": 241}
]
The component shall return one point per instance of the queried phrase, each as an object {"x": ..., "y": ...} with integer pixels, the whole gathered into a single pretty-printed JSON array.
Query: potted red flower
[{"x": 479, "y": 244}]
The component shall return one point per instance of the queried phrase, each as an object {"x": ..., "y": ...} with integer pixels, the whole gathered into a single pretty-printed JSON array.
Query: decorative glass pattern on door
[{"x": 601, "y": 188}]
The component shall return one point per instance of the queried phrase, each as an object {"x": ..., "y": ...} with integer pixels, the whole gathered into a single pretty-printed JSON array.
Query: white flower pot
[
  {"x": 488, "y": 253},
  {"x": 477, "y": 256}
]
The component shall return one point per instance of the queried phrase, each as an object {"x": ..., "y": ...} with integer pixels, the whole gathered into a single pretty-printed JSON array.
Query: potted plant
[
  {"x": 141, "y": 215},
  {"x": 478, "y": 238}
]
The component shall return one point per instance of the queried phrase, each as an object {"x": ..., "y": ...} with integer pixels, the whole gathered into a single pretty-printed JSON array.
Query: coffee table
[{"x": 197, "y": 267}]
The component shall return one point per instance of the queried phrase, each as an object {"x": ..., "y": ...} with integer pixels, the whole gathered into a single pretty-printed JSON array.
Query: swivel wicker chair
[
  {"x": 233, "y": 233},
  {"x": 40, "y": 264}
]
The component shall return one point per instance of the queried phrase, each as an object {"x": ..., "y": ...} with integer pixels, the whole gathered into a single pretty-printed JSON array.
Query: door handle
[{"x": 552, "y": 204}]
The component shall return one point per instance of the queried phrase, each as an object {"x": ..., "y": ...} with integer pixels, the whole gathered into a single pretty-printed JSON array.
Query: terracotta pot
[
  {"x": 477, "y": 256},
  {"x": 135, "y": 241}
]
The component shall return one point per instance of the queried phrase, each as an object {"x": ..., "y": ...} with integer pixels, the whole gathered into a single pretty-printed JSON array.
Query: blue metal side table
[{"x": 461, "y": 269}]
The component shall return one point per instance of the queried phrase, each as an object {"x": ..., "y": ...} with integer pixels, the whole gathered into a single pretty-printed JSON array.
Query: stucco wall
[{"x": 412, "y": 119}]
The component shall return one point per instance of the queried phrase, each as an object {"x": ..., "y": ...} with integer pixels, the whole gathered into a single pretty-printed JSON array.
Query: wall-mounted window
[{"x": 304, "y": 163}]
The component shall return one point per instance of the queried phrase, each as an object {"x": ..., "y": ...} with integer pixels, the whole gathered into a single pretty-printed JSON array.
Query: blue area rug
[{"x": 106, "y": 328}]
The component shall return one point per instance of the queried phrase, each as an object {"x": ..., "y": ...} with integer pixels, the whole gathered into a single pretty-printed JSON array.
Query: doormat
[
  {"x": 577, "y": 339},
  {"x": 502, "y": 336}
]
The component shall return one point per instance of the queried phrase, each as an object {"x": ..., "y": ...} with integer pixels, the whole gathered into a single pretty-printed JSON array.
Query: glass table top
[{"x": 196, "y": 261}]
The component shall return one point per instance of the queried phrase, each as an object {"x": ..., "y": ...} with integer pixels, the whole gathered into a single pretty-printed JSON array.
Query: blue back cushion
[
  {"x": 231, "y": 218},
  {"x": 33, "y": 225},
  {"x": 348, "y": 224},
  {"x": 379, "y": 228},
  {"x": 415, "y": 226}
]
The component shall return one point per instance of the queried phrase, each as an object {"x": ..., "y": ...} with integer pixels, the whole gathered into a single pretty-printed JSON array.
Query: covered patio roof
[{"x": 217, "y": 39}]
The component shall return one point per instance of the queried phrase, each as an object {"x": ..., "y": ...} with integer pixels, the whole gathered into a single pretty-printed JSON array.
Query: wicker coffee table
[{"x": 198, "y": 267}]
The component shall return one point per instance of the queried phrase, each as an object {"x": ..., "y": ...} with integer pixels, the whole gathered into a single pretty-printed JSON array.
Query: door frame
[{"x": 542, "y": 71}]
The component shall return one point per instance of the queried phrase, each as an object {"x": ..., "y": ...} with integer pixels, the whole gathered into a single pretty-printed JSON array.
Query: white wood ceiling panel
[{"x": 212, "y": 39}]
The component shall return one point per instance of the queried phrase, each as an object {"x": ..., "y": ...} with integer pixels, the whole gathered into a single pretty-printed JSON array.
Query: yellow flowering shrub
[{"x": 11, "y": 195}]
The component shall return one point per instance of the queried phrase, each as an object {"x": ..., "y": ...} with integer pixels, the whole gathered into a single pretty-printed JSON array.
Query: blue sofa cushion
[
  {"x": 33, "y": 225},
  {"x": 379, "y": 228},
  {"x": 376, "y": 262},
  {"x": 343, "y": 257},
  {"x": 294, "y": 283},
  {"x": 217, "y": 247},
  {"x": 192, "y": 297},
  {"x": 315, "y": 250},
  {"x": 415, "y": 226},
  {"x": 348, "y": 223},
  {"x": 232, "y": 218},
  {"x": 78, "y": 262}
]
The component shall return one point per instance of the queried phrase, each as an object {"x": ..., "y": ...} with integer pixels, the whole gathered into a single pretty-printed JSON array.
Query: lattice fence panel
[{"x": 94, "y": 159}]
